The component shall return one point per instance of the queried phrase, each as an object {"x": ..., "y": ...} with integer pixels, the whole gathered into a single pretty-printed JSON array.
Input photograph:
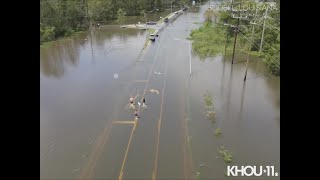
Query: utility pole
[
  {"x": 264, "y": 27},
  {"x": 190, "y": 57},
  {"x": 236, "y": 31},
  {"x": 249, "y": 50},
  {"x": 88, "y": 14},
  {"x": 145, "y": 15},
  {"x": 225, "y": 47}
]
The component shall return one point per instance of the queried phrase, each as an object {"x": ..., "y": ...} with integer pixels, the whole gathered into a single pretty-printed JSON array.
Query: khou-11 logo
[{"x": 251, "y": 171}]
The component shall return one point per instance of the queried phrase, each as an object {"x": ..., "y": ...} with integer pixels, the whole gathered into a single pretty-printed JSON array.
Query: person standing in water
[
  {"x": 144, "y": 102},
  {"x": 131, "y": 102},
  {"x": 136, "y": 115}
]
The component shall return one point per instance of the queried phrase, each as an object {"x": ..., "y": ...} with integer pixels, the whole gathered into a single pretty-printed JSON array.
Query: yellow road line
[
  {"x": 126, "y": 154},
  {"x": 124, "y": 122},
  {"x": 87, "y": 172},
  {"x": 135, "y": 124},
  {"x": 158, "y": 137},
  {"x": 133, "y": 129},
  {"x": 153, "y": 176},
  {"x": 159, "y": 124},
  {"x": 96, "y": 152}
]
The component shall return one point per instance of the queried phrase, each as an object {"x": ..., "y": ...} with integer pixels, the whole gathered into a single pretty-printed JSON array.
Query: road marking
[
  {"x": 124, "y": 122},
  {"x": 154, "y": 91},
  {"x": 88, "y": 170},
  {"x": 190, "y": 56},
  {"x": 121, "y": 174},
  {"x": 154, "y": 173},
  {"x": 126, "y": 154},
  {"x": 153, "y": 176},
  {"x": 158, "y": 137},
  {"x": 135, "y": 124},
  {"x": 133, "y": 129},
  {"x": 96, "y": 152}
]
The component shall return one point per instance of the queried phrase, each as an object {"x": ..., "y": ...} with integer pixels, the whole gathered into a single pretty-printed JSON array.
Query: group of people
[{"x": 131, "y": 101}]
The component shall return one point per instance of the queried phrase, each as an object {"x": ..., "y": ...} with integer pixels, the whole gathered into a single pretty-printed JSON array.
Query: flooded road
[{"x": 88, "y": 131}]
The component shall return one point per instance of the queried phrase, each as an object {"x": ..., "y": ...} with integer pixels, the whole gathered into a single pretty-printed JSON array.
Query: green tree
[{"x": 120, "y": 15}]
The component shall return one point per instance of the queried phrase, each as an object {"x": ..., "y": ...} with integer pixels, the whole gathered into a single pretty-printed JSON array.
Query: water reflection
[
  {"x": 242, "y": 97},
  {"x": 229, "y": 90},
  {"x": 101, "y": 35},
  {"x": 222, "y": 77},
  {"x": 54, "y": 59}
]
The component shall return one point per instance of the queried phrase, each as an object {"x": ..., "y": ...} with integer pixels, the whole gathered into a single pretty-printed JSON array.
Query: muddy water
[
  {"x": 247, "y": 113},
  {"x": 79, "y": 95},
  {"x": 78, "y": 91}
]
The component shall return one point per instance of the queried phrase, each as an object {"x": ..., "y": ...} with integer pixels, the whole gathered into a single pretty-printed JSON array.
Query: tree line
[{"x": 63, "y": 17}]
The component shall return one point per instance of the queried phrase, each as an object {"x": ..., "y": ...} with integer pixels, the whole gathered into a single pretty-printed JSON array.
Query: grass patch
[
  {"x": 208, "y": 40},
  {"x": 151, "y": 30},
  {"x": 162, "y": 19},
  {"x": 225, "y": 154},
  {"x": 256, "y": 54},
  {"x": 211, "y": 115},
  {"x": 146, "y": 43},
  {"x": 208, "y": 99},
  {"x": 210, "y": 112},
  {"x": 218, "y": 132}
]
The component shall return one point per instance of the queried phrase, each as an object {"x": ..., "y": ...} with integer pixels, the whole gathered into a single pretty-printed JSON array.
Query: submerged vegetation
[
  {"x": 216, "y": 35},
  {"x": 210, "y": 113},
  {"x": 218, "y": 132},
  {"x": 151, "y": 30},
  {"x": 208, "y": 40},
  {"x": 225, "y": 154}
]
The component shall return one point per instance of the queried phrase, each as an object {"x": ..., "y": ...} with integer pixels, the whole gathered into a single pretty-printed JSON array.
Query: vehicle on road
[
  {"x": 166, "y": 20},
  {"x": 153, "y": 37},
  {"x": 185, "y": 8},
  {"x": 151, "y": 23}
]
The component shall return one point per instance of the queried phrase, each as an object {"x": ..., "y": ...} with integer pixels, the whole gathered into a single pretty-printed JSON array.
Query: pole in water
[
  {"x": 234, "y": 44},
  {"x": 249, "y": 50},
  {"x": 190, "y": 56}
]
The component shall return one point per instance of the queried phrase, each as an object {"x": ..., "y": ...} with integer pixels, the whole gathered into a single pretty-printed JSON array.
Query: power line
[
  {"x": 271, "y": 59},
  {"x": 272, "y": 47},
  {"x": 270, "y": 27},
  {"x": 250, "y": 39},
  {"x": 273, "y": 26},
  {"x": 253, "y": 42}
]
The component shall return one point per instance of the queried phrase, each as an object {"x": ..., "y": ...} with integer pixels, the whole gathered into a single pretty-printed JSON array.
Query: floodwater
[{"x": 87, "y": 130}]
